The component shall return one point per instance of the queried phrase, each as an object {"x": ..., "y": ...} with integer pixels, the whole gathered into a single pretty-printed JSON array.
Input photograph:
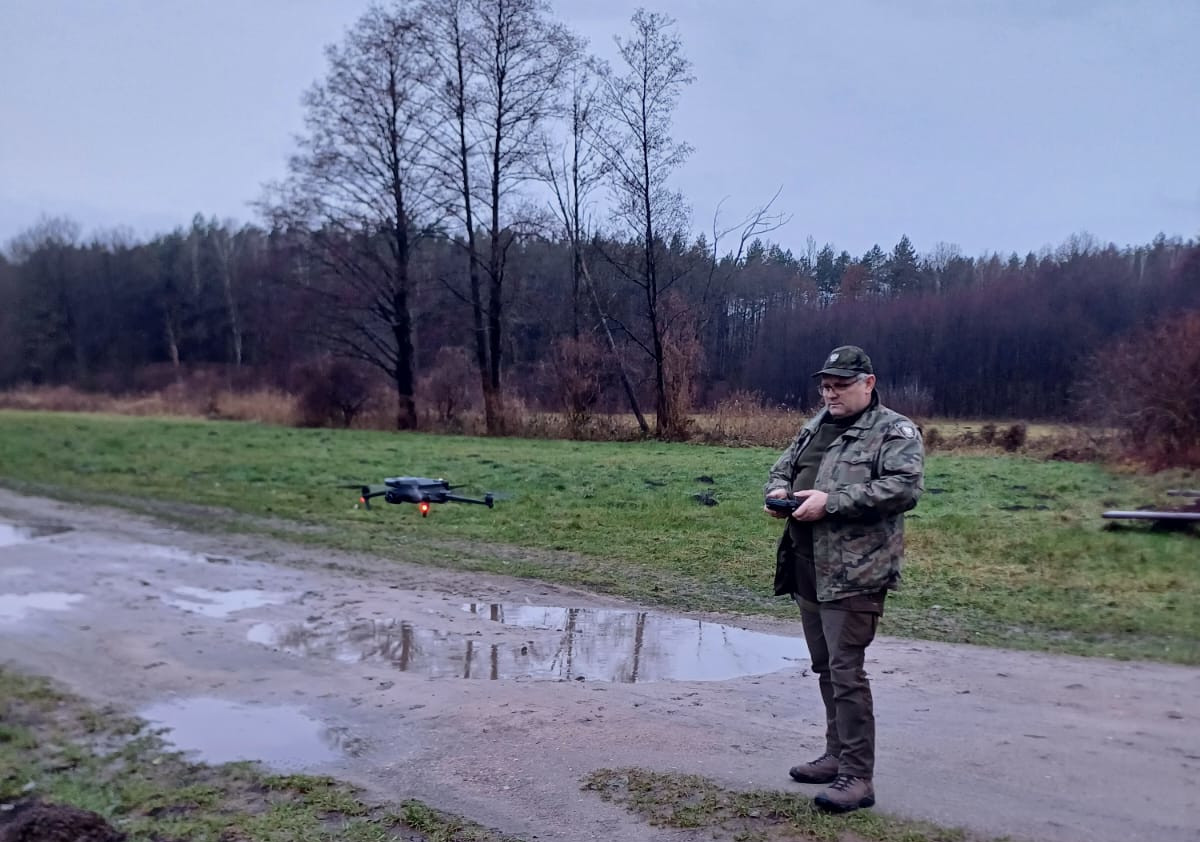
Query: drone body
[{"x": 421, "y": 491}]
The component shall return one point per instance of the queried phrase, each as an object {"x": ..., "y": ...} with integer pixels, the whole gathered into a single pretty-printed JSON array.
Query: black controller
[{"x": 787, "y": 505}]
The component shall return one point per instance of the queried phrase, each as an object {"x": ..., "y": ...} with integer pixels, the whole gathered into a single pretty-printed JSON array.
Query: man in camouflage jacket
[{"x": 854, "y": 469}]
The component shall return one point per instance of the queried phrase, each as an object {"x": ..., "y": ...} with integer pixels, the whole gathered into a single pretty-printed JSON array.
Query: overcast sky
[{"x": 987, "y": 124}]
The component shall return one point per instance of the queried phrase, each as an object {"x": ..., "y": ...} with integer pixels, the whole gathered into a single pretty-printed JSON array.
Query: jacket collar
[{"x": 866, "y": 419}]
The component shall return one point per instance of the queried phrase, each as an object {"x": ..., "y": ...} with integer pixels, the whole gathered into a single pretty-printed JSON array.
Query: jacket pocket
[
  {"x": 855, "y": 469},
  {"x": 865, "y": 555}
]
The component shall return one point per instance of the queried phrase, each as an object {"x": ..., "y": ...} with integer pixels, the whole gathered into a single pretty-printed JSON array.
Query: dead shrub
[
  {"x": 988, "y": 437},
  {"x": 744, "y": 419},
  {"x": 1014, "y": 438},
  {"x": 987, "y": 433},
  {"x": 1144, "y": 386},
  {"x": 732, "y": 415},
  {"x": 1078, "y": 446},
  {"x": 682, "y": 357},
  {"x": 578, "y": 365},
  {"x": 450, "y": 388},
  {"x": 933, "y": 438},
  {"x": 333, "y": 391},
  {"x": 516, "y": 419}
]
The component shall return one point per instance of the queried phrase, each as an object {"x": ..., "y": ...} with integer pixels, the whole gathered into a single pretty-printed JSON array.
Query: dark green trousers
[{"x": 838, "y": 634}]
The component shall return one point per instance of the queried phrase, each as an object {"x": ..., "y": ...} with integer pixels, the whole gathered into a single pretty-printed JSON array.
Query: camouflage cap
[{"x": 846, "y": 361}]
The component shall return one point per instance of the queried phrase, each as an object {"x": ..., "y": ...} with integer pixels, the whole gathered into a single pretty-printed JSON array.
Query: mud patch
[
  {"x": 12, "y": 534},
  {"x": 16, "y": 607},
  {"x": 569, "y": 644},
  {"x": 33, "y": 820},
  {"x": 220, "y": 732},
  {"x": 219, "y": 604}
]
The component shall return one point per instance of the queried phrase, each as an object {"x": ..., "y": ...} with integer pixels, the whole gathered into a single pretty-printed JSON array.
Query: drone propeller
[{"x": 365, "y": 492}]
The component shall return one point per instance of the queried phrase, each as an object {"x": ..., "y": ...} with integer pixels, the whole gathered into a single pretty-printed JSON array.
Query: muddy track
[{"x": 492, "y": 697}]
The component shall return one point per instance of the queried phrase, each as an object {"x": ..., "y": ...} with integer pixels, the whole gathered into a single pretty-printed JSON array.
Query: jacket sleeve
[
  {"x": 897, "y": 481},
  {"x": 781, "y": 472}
]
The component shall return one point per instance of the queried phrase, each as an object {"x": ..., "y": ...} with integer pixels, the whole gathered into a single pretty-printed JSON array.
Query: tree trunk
[
  {"x": 406, "y": 411},
  {"x": 225, "y": 253},
  {"x": 496, "y": 269},
  {"x": 490, "y": 409},
  {"x": 630, "y": 394},
  {"x": 172, "y": 340}
]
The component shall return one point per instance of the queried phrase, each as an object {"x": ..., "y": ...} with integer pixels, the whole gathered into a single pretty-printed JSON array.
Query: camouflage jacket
[{"x": 873, "y": 473}]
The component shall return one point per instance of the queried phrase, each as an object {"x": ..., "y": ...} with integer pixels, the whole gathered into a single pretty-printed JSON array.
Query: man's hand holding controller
[{"x": 808, "y": 505}]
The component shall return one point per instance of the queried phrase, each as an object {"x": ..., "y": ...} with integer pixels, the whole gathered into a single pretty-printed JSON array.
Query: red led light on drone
[{"x": 424, "y": 507}]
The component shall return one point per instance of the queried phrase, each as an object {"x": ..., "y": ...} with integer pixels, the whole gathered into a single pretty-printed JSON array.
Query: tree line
[
  {"x": 475, "y": 196},
  {"x": 1008, "y": 337}
]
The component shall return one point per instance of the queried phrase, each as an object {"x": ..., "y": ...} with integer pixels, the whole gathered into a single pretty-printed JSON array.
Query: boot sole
[
  {"x": 833, "y": 807},
  {"x": 810, "y": 779}
]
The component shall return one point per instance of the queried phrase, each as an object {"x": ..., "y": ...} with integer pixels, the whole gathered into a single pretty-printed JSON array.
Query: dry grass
[
  {"x": 742, "y": 420},
  {"x": 955, "y": 428},
  {"x": 264, "y": 405}
]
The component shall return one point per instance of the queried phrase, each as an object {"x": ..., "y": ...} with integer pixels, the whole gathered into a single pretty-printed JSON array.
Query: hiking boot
[
  {"x": 846, "y": 793},
  {"x": 823, "y": 770}
]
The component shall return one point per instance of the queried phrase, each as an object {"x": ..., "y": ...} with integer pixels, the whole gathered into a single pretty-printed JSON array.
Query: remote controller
[{"x": 787, "y": 505}]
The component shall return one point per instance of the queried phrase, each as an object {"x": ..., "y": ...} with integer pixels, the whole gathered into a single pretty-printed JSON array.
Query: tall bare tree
[
  {"x": 447, "y": 41},
  {"x": 361, "y": 183},
  {"x": 573, "y": 170},
  {"x": 639, "y": 98},
  {"x": 228, "y": 245},
  {"x": 499, "y": 67}
]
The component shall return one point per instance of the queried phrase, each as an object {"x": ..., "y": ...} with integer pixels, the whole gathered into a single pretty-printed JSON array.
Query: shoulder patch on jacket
[{"x": 905, "y": 428}]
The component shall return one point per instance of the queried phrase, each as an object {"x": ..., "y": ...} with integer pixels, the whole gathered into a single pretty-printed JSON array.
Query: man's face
[{"x": 845, "y": 396}]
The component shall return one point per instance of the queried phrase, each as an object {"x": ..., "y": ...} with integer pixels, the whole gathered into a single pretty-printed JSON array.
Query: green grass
[
  {"x": 691, "y": 801},
  {"x": 56, "y": 748},
  {"x": 620, "y": 518}
]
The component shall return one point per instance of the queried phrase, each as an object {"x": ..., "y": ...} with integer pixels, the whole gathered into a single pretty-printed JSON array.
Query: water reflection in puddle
[
  {"x": 221, "y": 732},
  {"x": 213, "y": 603},
  {"x": 15, "y": 607},
  {"x": 597, "y": 645},
  {"x": 10, "y": 534}
]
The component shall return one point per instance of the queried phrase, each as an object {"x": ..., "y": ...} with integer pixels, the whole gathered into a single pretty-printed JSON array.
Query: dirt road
[{"x": 491, "y": 697}]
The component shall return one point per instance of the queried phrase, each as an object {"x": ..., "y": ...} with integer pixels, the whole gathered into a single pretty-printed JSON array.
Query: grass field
[{"x": 1002, "y": 549}]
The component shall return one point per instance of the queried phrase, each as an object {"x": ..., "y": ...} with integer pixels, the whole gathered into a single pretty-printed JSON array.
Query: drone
[{"x": 421, "y": 491}]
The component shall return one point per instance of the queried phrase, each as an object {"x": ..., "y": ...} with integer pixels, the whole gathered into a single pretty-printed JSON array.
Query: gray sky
[{"x": 987, "y": 124}]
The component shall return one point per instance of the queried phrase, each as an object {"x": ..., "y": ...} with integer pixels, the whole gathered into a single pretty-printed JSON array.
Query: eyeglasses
[{"x": 837, "y": 388}]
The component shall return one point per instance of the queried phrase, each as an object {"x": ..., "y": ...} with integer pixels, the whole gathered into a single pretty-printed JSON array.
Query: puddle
[
  {"x": 212, "y": 603},
  {"x": 15, "y": 607},
  {"x": 573, "y": 643},
  {"x": 10, "y": 534},
  {"x": 220, "y": 732}
]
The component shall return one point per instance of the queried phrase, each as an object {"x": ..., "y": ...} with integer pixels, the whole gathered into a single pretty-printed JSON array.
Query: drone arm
[
  {"x": 454, "y": 498},
  {"x": 367, "y": 494}
]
